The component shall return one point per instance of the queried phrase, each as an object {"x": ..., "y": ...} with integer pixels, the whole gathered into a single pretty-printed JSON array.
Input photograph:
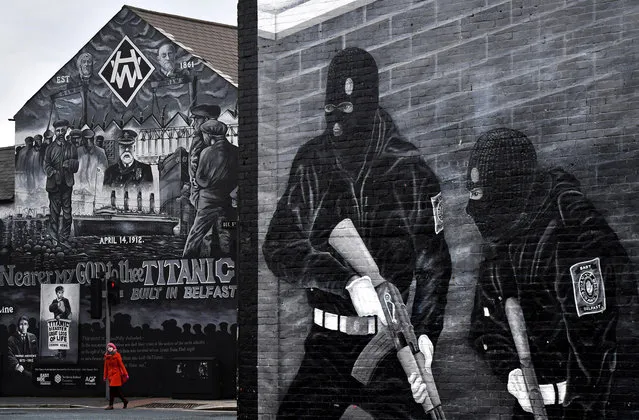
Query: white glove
[
  {"x": 364, "y": 298},
  {"x": 417, "y": 385},
  {"x": 427, "y": 349},
  {"x": 517, "y": 388}
]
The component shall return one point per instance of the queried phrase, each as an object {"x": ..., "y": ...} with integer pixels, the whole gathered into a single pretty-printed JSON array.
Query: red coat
[{"x": 114, "y": 369}]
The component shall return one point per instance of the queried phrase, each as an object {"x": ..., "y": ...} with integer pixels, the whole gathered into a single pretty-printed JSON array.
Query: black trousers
[
  {"x": 60, "y": 202},
  {"x": 208, "y": 219},
  {"x": 116, "y": 391}
]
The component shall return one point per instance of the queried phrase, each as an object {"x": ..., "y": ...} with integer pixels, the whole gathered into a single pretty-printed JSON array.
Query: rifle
[
  {"x": 517, "y": 324},
  {"x": 398, "y": 333}
]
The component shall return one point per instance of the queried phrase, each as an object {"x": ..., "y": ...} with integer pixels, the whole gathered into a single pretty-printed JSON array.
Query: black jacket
[
  {"x": 65, "y": 314},
  {"x": 216, "y": 174},
  {"x": 118, "y": 175},
  {"x": 60, "y": 165},
  {"x": 20, "y": 350},
  {"x": 563, "y": 263},
  {"x": 390, "y": 201}
]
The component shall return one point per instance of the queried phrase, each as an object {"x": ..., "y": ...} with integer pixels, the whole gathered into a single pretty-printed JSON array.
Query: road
[{"x": 99, "y": 413}]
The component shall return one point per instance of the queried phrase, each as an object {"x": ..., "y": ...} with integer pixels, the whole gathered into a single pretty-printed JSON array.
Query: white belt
[
  {"x": 549, "y": 394},
  {"x": 351, "y": 325}
]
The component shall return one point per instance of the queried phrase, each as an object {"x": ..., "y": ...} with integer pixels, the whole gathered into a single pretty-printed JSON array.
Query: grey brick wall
[{"x": 563, "y": 72}]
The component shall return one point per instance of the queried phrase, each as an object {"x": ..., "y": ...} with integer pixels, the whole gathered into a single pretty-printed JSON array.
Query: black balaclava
[
  {"x": 352, "y": 96},
  {"x": 503, "y": 164}
]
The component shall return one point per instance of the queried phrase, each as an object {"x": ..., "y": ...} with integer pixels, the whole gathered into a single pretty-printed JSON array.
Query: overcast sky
[{"x": 37, "y": 37}]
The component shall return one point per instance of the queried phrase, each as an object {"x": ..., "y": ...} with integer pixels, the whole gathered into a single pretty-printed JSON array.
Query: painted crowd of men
[
  {"x": 30, "y": 172},
  {"x": 65, "y": 157},
  {"x": 69, "y": 156}
]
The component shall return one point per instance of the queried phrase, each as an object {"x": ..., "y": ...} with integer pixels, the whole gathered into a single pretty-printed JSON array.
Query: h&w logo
[{"x": 126, "y": 70}]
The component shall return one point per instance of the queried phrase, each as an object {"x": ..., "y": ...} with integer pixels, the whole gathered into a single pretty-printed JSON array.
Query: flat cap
[
  {"x": 87, "y": 133},
  {"x": 127, "y": 137},
  {"x": 214, "y": 128},
  {"x": 75, "y": 133},
  {"x": 205, "y": 110},
  {"x": 48, "y": 134},
  {"x": 61, "y": 123},
  {"x": 37, "y": 137}
]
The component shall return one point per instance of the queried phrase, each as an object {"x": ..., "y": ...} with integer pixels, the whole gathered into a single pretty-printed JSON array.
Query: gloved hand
[
  {"x": 417, "y": 385},
  {"x": 427, "y": 349},
  {"x": 517, "y": 388},
  {"x": 364, "y": 298}
]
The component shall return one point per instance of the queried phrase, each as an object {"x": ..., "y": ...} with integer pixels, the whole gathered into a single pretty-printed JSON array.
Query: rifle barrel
[{"x": 437, "y": 413}]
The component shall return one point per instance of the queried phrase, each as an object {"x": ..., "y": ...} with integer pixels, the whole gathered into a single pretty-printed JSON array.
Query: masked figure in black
[
  {"x": 359, "y": 168},
  {"x": 549, "y": 247}
]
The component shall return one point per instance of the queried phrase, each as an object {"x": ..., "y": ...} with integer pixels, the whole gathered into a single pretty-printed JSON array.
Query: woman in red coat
[{"x": 116, "y": 373}]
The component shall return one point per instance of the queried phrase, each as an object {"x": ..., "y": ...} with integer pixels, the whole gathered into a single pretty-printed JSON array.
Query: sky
[{"x": 37, "y": 37}]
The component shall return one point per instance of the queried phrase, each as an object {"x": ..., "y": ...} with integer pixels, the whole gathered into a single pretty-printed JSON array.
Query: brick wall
[{"x": 563, "y": 72}]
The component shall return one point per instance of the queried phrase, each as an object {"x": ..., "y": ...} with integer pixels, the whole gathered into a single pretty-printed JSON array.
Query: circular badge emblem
[{"x": 588, "y": 287}]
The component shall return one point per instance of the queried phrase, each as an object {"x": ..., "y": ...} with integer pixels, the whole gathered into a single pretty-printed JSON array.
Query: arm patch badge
[
  {"x": 588, "y": 287},
  {"x": 438, "y": 212}
]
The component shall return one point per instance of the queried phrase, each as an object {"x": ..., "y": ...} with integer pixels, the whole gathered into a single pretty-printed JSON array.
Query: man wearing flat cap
[
  {"x": 60, "y": 165},
  {"x": 93, "y": 161},
  {"x": 128, "y": 171},
  {"x": 47, "y": 139},
  {"x": 37, "y": 142},
  {"x": 99, "y": 142},
  {"x": 74, "y": 137},
  {"x": 199, "y": 115},
  {"x": 216, "y": 177}
]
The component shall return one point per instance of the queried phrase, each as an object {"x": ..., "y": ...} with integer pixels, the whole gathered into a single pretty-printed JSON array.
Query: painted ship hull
[{"x": 124, "y": 224}]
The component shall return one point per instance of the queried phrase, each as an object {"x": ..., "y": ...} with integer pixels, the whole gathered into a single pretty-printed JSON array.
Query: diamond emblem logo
[{"x": 126, "y": 71}]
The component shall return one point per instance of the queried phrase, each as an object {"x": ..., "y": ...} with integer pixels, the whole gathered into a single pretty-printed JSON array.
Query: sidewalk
[{"x": 100, "y": 402}]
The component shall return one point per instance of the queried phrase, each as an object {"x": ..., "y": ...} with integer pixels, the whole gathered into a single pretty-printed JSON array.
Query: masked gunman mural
[
  {"x": 109, "y": 154},
  {"x": 551, "y": 254},
  {"x": 446, "y": 223},
  {"x": 360, "y": 169}
]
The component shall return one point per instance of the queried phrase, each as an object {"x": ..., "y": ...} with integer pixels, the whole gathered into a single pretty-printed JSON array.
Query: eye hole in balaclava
[
  {"x": 352, "y": 93},
  {"x": 501, "y": 172}
]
